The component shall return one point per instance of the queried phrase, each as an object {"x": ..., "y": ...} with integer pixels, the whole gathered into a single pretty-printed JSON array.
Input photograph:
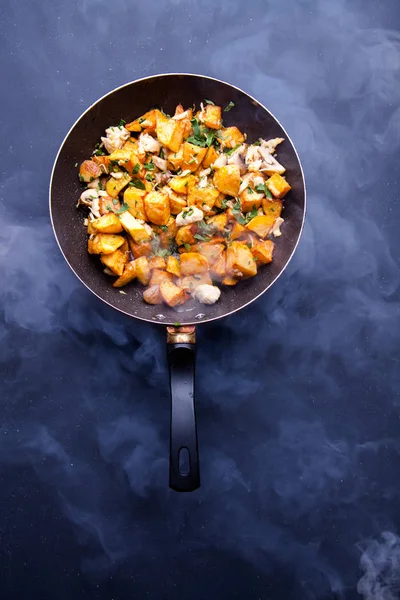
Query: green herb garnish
[
  {"x": 187, "y": 246},
  {"x": 261, "y": 187},
  {"x": 232, "y": 150},
  {"x": 202, "y": 238},
  {"x": 115, "y": 202},
  {"x": 164, "y": 227},
  {"x": 149, "y": 166},
  {"x": 209, "y": 102},
  {"x": 135, "y": 169},
  {"x": 122, "y": 123},
  {"x": 138, "y": 184},
  {"x": 177, "y": 324},
  {"x": 149, "y": 177},
  {"x": 250, "y": 190},
  {"x": 229, "y": 106},
  {"x": 123, "y": 209}
]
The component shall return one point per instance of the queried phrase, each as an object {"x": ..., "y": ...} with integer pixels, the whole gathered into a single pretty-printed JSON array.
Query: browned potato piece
[
  {"x": 142, "y": 270},
  {"x": 146, "y": 122},
  {"x": 173, "y": 266},
  {"x": 176, "y": 203},
  {"x": 185, "y": 235},
  {"x": 127, "y": 276},
  {"x": 202, "y": 197},
  {"x": 192, "y": 156},
  {"x": 103, "y": 162},
  {"x": 193, "y": 263},
  {"x": 115, "y": 186},
  {"x": 230, "y": 137},
  {"x": 227, "y": 180},
  {"x": 174, "y": 159},
  {"x": 210, "y": 250},
  {"x": 218, "y": 202},
  {"x": 169, "y": 132},
  {"x": 89, "y": 170},
  {"x": 212, "y": 116},
  {"x": 218, "y": 268},
  {"x": 219, "y": 222},
  {"x": 140, "y": 232},
  {"x": 104, "y": 243},
  {"x": 128, "y": 160},
  {"x": 191, "y": 282},
  {"x": 157, "y": 262},
  {"x": 272, "y": 208},
  {"x": 166, "y": 233},
  {"x": 108, "y": 223},
  {"x": 229, "y": 280},
  {"x": 263, "y": 251},
  {"x": 278, "y": 185},
  {"x": 142, "y": 249},
  {"x": 90, "y": 228},
  {"x": 250, "y": 199},
  {"x": 239, "y": 259},
  {"x": 125, "y": 247},
  {"x": 180, "y": 185},
  {"x": 156, "y": 205},
  {"x": 108, "y": 204},
  {"x": 172, "y": 294},
  {"x": 186, "y": 120},
  {"x": 115, "y": 261},
  {"x": 159, "y": 275},
  {"x": 152, "y": 295},
  {"x": 261, "y": 225},
  {"x": 210, "y": 157},
  {"x": 133, "y": 197},
  {"x": 237, "y": 230}
]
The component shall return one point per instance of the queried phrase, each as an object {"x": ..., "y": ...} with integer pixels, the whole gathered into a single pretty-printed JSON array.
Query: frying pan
[{"x": 128, "y": 102}]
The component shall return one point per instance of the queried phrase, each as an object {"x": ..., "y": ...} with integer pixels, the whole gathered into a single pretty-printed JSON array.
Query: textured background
[{"x": 298, "y": 395}]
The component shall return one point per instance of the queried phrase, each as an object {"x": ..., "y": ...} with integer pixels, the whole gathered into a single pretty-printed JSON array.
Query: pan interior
[{"x": 129, "y": 102}]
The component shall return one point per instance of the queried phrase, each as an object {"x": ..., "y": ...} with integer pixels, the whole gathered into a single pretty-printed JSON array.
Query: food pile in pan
[{"x": 182, "y": 204}]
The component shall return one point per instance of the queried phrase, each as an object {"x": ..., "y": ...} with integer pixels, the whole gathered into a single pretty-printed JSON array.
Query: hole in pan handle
[{"x": 184, "y": 475}]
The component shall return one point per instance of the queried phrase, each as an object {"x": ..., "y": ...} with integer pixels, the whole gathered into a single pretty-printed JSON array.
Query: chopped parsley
[
  {"x": 99, "y": 152},
  {"x": 135, "y": 169},
  {"x": 202, "y": 238},
  {"x": 123, "y": 209},
  {"x": 164, "y": 227},
  {"x": 250, "y": 190},
  {"x": 162, "y": 153},
  {"x": 138, "y": 184},
  {"x": 115, "y": 202},
  {"x": 187, "y": 246},
  {"x": 81, "y": 178},
  {"x": 122, "y": 123},
  {"x": 229, "y": 106},
  {"x": 149, "y": 166},
  {"x": 209, "y": 102},
  {"x": 187, "y": 213},
  {"x": 257, "y": 143},
  {"x": 232, "y": 150},
  {"x": 261, "y": 187},
  {"x": 177, "y": 324},
  {"x": 202, "y": 136},
  {"x": 149, "y": 177},
  {"x": 108, "y": 206}
]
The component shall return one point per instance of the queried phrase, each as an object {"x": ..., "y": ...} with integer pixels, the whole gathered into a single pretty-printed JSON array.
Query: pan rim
[{"x": 158, "y": 75}]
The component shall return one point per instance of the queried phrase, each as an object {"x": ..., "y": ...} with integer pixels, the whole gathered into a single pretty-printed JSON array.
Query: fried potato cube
[
  {"x": 125, "y": 247},
  {"x": 115, "y": 186},
  {"x": 107, "y": 205},
  {"x": 180, "y": 185},
  {"x": 128, "y": 160},
  {"x": 115, "y": 261},
  {"x": 90, "y": 229},
  {"x": 108, "y": 223},
  {"x": 173, "y": 266},
  {"x": 278, "y": 186},
  {"x": 219, "y": 222},
  {"x": 272, "y": 208},
  {"x": 141, "y": 249},
  {"x": 127, "y": 276},
  {"x": 212, "y": 116},
  {"x": 240, "y": 259},
  {"x": 143, "y": 271},
  {"x": 263, "y": 251},
  {"x": 185, "y": 235},
  {"x": 230, "y": 137},
  {"x": 202, "y": 197},
  {"x": 159, "y": 275},
  {"x": 176, "y": 202},
  {"x": 104, "y": 243},
  {"x": 211, "y": 251},
  {"x": 237, "y": 231},
  {"x": 227, "y": 180},
  {"x": 140, "y": 232},
  {"x": 186, "y": 120},
  {"x": 174, "y": 159},
  {"x": 210, "y": 157},
  {"x": 172, "y": 294},
  {"x": 133, "y": 197},
  {"x": 191, "y": 282},
  {"x": 192, "y": 156},
  {"x": 218, "y": 268},
  {"x": 156, "y": 206},
  {"x": 229, "y": 280},
  {"x": 89, "y": 170},
  {"x": 261, "y": 225},
  {"x": 152, "y": 295},
  {"x": 192, "y": 263},
  {"x": 169, "y": 132},
  {"x": 103, "y": 162},
  {"x": 219, "y": 200},
  {"x": 250, "y": 199},
  {"x": 146, "y": 122},
  {"x": 157, "y": 262}
]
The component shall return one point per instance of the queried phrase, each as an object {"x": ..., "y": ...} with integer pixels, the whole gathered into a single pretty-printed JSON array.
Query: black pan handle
[{"x": 184, "y": 475}]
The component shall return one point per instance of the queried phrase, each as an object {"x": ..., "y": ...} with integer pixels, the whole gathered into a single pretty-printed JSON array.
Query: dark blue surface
[{"x": 298, "y": 395}]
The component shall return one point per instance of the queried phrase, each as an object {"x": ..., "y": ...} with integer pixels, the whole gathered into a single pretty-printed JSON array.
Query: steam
[{"x": 297, "y": 394}]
